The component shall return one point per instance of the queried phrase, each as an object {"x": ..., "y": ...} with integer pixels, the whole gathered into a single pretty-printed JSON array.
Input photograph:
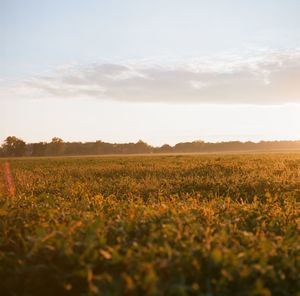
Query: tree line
[{"x": 15, "y": 147}]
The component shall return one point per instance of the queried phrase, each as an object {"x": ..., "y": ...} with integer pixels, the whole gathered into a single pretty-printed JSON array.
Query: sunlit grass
[{"x": 165, "y": 225}]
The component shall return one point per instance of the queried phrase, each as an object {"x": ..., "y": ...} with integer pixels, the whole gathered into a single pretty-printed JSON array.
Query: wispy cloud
[{"x": 254, "y": 77}]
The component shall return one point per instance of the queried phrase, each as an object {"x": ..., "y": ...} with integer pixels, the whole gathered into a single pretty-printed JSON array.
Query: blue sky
[
  {"x": 38, "y": 34},
  {"x": 95, "y": 58}
]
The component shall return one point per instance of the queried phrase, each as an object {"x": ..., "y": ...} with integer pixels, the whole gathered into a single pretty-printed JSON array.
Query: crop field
[{"x": 151, "y": 225}]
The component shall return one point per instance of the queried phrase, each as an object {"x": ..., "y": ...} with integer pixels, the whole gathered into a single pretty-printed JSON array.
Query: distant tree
[
  {"x": 74, "y": 148},
  {"x": 102, "y": 148},
  {"x": 142, "y": 147},
  {"x": 14, "y": 147},
  {"x": 56, "y": 140},
  {"x": 56, "y": 147},
  {"x": 39, "y": 149},
  {"x": 166, "y": 148}
]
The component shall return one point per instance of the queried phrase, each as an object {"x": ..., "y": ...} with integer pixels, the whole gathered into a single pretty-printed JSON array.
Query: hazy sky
[{"x": 161, "y": 71}]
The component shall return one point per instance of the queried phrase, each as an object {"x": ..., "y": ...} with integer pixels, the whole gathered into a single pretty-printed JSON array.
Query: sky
[{"x": 164, "y": 71}]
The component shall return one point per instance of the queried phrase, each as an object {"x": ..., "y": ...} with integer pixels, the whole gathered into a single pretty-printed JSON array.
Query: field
[{"x": 151, "y": 225}]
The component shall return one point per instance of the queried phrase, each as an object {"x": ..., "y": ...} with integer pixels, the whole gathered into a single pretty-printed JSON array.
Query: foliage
[
  {"x": 14, "y": 147},
  {"x": 164, "y": 225},
  {"x": 57, "y": 147}
]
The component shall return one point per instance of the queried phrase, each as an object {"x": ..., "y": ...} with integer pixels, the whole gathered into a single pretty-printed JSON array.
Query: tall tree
[{"x": 14, "y": 147}]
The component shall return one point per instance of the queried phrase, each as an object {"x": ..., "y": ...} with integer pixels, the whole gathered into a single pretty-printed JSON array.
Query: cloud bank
[{"x": 260, "y": 77}]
